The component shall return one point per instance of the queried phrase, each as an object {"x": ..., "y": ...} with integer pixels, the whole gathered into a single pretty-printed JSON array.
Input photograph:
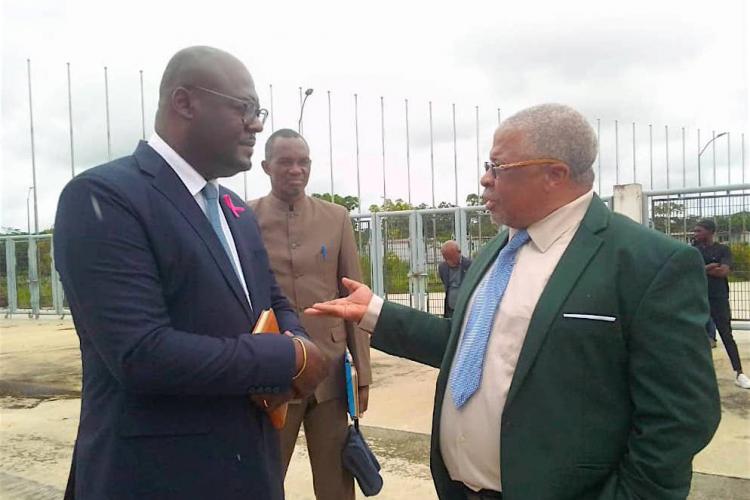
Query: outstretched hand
[{"x": 350, "y": 308}]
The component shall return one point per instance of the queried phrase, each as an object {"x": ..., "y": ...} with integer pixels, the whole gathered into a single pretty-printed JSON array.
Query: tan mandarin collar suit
[{"x": 311, "y": 247}]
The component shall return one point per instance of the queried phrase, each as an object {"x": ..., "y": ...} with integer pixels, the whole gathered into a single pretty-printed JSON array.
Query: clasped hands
[
  {"x": 310, "y": 368},
  {"x": 350, "y": 308}
]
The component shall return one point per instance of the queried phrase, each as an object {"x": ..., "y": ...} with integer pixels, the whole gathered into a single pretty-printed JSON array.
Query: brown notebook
[{"x": 267, "y": 324}]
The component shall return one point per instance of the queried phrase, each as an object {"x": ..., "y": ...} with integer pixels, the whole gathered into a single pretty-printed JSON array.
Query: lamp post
[
  {"x": 703, "y": 150},
  {"x": 308, "y": 93}
]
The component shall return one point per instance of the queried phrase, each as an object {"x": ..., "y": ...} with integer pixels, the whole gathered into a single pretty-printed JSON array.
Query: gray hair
[
  {"x": 450, "y": 244},
  {"x": 558, "y": 131}
]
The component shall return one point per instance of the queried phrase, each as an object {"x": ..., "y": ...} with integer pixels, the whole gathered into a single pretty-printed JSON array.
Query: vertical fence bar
[
  {"x": 666, "y": 150},
  {"x": 143, "y": 109},
  {"x": 408, "y": 152},
  {"x": 300, "y": 126},
  {"x": 270, "y": 92},
  {"x": 634, "y": 162},
  {"x": 455, "y": 153},
  {"x": 330, "y": 143},
  {"x": 33, "y": 276},
  {"x": 651, "y": 153},
  {"x": 684, "y": 171},
  {"x": 57, "y": 292},
  {"x": 499, "y": 121},
  {"x": 382, "y": 142},
  {"x": 479, "y": 161},
  {"x": 617, "y": 153},
  {"x": 742, "y": 152},
  {"x": 729, "y": 161},
  {"x": 700, "y": 181},
  {"x": 106, "y": 110},
  {"x": 10, "y": 275},
  {"x": 356, "y": 143},
  {"x": 599, "y": 143},
  {"x": 713, "y": 152},
  {"x": 432, "y": 156},
  {"x": 70, "y": 125},
  {"x": 33, "y": 150}
]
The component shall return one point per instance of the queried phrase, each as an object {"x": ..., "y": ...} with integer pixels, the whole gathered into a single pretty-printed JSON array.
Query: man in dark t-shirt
[{"x": 718, "y": 261}]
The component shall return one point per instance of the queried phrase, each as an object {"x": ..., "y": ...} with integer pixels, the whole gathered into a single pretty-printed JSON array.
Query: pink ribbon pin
[{"x": 235, "y": 210}]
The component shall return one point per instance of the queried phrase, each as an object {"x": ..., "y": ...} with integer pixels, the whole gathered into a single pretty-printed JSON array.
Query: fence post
[
  {"x": 34, "y": 277},
  {"x": 462, "y": 230},
  {"x": 376, "y": 252},
  {"x": 10, "y": 268},
  {"x": 417, "y": 285},
  {"x": 57, "y": 291},
  {"x": 627, "y": 200}
]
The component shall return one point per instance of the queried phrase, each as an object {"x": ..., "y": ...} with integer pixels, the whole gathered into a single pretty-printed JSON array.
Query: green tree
[
  {"x": 473, "y": 200},
  {"x": 350, "y": 202}
]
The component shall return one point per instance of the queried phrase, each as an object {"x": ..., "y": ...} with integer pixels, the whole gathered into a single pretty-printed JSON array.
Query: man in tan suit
[{"x": 311, "y": 246}]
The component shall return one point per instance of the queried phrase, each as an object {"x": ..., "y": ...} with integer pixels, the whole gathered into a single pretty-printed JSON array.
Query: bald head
[
  {"x": 451, "y": 253},
  {"x": 199, "y": 66},
  {"x": 209, "y": 111},
  {"x": 557, "y": 131}
]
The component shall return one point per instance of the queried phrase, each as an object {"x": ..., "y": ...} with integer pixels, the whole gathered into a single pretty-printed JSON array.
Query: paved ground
[{"x": 39, "y": 405}]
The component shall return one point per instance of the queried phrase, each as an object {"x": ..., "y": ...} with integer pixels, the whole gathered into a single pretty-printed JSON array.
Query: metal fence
[
  {"x": 28, "y": 284},
  {"x": 400, "y": 251},
  {"x": 677, "y": 213}
]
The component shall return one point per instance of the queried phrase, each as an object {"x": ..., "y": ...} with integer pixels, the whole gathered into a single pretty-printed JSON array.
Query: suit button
[
  {"x": 294, "y": 245},
  {"x": 298, "y": 275}
]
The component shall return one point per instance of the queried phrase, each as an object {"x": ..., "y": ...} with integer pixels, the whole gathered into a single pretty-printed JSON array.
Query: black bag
[{"x": 359, "y": 460}]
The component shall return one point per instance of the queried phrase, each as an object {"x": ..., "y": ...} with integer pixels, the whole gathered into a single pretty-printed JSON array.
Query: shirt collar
[
  {"x": 193, "y": 181},
  {"x": 545, "y": 232}
]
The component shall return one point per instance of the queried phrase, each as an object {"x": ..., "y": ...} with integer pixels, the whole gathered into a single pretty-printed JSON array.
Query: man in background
[
  {"x": 718, "y": 261},
  {"x": 452, "y": 271},
  {"x": 311, "y": 246}
]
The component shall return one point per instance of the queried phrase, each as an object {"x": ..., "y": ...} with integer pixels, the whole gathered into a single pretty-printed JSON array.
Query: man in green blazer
[{"x": 576, "y": 365}]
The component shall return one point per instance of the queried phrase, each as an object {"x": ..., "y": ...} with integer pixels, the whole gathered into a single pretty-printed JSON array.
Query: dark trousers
[
  {"x": 722, "y": 317},
  {"x": 482, "y": 495}
]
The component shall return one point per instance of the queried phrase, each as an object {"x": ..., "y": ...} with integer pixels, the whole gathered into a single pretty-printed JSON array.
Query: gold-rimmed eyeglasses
[
  {"x": 488, "y": 165},
  {"x": 250, "y": 109}
]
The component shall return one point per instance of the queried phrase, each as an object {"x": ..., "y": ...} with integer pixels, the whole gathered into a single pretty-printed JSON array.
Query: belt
[{"x": 482, "y": 494}]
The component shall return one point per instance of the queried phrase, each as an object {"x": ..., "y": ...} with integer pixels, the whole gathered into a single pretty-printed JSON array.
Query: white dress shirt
[
  {"x": 194, "y": 182},
  {"x": 470, "y": 436}
]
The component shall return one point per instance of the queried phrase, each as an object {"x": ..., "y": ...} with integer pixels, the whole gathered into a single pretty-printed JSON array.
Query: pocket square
[{"x": 594, "y": 317}]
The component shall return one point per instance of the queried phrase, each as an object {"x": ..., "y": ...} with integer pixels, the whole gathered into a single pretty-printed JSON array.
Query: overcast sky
[{"x": 674, "y": 64}]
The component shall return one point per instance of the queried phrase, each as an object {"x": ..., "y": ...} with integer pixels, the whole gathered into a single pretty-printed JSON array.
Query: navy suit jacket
[{"x": 163, "y": 323}]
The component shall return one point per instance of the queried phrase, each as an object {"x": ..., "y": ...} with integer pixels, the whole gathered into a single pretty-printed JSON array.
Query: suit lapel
[
  {"x": 580, "y": 251},
  {"x": 169, "y": 184},
  {"x": 244, "y": 252}
]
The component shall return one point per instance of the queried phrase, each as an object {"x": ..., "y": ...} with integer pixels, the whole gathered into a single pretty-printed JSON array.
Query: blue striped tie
[{"x": 466, "y": 374}]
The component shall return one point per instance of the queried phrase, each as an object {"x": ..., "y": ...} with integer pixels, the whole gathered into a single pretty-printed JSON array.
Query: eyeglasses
[
  {"x": 488, "y": 165},
  {"x": 250, "y": 110}
]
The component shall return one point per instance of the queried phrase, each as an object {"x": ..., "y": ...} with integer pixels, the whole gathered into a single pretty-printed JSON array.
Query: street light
[
  {"x": 28, "y": 211},
  {"x": 703, "y": 150},
  {"x": 308, "y": 92}
]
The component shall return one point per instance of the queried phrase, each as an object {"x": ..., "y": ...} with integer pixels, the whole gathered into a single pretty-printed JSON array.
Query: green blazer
[{"x": 595, "y": 410}]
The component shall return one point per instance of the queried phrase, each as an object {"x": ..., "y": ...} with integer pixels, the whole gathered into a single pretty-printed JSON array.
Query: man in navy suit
[{"x": 166, "y": 274}]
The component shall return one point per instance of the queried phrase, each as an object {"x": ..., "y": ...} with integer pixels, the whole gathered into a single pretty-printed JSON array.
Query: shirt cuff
[{"x": 370, "y": 319}]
